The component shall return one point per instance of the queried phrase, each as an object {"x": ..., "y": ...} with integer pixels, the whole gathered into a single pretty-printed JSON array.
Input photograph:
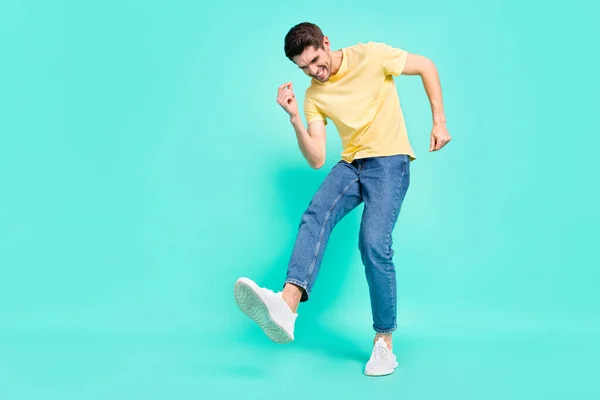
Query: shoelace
[{"x": 383, "y": 352}]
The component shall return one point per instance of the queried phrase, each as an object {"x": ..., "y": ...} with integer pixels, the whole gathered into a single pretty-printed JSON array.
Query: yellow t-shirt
[{"x": 362, "y": 101}]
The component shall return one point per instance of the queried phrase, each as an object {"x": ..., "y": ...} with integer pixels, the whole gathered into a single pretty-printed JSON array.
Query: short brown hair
[{"x": 301, "y": 36}]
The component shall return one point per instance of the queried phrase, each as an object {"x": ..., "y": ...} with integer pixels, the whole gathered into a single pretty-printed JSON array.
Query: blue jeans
[{"x": 381, "y": 183}]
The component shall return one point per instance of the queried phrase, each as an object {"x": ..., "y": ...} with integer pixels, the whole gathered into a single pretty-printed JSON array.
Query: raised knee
[{"x": 312, "y": 214}]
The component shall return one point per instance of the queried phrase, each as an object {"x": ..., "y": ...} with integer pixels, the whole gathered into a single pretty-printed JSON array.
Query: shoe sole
[
  {"x": 386, "y": 374},
  {"x": 252, "y": 305}
]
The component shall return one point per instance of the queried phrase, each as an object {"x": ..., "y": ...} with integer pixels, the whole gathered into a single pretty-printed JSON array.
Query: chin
[{"x": 325, "y": 77}]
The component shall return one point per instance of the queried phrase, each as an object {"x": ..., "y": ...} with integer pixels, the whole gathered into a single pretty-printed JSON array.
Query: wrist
[{"x": 439, "y": 121}]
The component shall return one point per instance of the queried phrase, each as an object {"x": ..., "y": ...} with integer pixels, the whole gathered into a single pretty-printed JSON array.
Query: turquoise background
[{"x": 145, "y": 165}]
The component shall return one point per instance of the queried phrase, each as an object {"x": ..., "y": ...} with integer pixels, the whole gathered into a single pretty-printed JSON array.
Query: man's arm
[
  {"x": 424, "y": 67},
  {"x": 312, "y": 142}
]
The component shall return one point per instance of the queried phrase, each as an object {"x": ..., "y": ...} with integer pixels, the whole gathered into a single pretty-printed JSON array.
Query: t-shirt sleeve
[
  {"x": 312, "y": 112},
  {"x": 392, "y": 59}
]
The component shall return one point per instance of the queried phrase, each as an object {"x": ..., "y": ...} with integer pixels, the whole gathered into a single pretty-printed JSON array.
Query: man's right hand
[{"x": 287, "y": 99}]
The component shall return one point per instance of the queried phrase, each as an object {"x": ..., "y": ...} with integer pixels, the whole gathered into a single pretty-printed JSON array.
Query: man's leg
[
  {"x": 337, "y": 196},
  {"x": 385, "y": 181},
  {"x": 274, "y": 312}
]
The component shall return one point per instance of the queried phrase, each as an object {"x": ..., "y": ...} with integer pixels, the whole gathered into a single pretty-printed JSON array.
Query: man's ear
[{"x": 326, "y": 43}]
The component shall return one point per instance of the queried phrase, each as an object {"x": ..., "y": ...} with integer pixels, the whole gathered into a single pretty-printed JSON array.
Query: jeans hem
[{"x": 384, "y": 331}]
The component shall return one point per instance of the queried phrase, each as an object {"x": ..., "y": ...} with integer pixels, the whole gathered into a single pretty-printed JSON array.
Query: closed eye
[{"x": 314, "y": 60}]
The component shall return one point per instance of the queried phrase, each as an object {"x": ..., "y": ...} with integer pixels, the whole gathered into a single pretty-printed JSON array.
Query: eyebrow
[{"x": 312, "y": 61}]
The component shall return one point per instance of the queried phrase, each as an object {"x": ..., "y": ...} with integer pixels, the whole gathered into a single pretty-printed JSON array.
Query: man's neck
[{"x": 336, "y": 61}]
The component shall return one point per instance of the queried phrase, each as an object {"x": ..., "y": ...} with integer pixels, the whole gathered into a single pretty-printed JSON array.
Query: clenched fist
[
  {"x": 287, "y": 100},
  {"x": 439, "y": 137}
]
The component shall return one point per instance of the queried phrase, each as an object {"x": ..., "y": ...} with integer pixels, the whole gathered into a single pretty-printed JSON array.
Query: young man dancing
[{"x": 354, "y": 87}]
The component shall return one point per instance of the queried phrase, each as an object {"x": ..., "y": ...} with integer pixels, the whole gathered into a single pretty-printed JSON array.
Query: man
[{"x": 353, "y": 87}]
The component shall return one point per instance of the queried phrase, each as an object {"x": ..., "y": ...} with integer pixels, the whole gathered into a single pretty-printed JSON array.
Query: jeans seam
[{"x": 324, "y": 225}]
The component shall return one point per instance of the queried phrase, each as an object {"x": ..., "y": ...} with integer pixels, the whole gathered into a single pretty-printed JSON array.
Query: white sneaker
[
  {"x": 267, "y": 309},
  {"x": 382, "y": 361}
]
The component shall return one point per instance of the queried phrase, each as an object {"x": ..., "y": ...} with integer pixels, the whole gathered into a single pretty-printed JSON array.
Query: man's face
[{"x": 315, "y": 62}]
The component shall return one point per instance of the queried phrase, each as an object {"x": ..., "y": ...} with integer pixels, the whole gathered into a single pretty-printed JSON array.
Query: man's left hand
[{"x": 439, "y": 136}]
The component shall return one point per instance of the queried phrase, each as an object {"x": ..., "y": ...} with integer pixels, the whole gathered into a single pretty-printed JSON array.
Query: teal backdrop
[{"x": 145, "y": 165}]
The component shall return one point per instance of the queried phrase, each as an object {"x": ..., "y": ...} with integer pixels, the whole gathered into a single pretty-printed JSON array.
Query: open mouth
[{"x": 320, "y": 73}]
